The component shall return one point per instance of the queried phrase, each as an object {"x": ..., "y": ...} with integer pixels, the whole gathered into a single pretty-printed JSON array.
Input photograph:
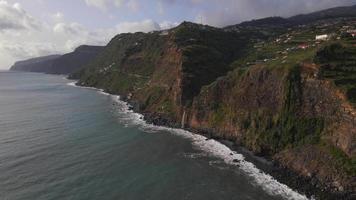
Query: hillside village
[
  {"x": 306, "y": 37},
  {"x": 298, "y": 45}
]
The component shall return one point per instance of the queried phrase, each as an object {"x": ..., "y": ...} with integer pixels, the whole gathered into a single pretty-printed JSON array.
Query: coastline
[
  {"x": 311, "y": 187},
  {"x": 265, "y": 176}
]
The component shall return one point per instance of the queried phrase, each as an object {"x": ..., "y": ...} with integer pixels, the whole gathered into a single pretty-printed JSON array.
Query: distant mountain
[
  {"x": 337, "y": 12},
  {"x": 269, "y": 21},
  {"x": 57, "y": 64},
  {"x": 40, "y": 64},
  {"x": 74, "y": 61},
  {"x": 275, "y": 22}
]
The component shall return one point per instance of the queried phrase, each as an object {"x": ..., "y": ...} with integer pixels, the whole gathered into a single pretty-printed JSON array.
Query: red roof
[{"x": 303, "y": 46}]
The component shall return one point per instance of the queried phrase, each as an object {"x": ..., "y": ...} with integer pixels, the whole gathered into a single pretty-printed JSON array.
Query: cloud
[
  {"x": 32, "y": 49},
  {"x": 13, "y": 17},
  {"x": 118, "y": 3},
  {"x": 167, "y": 25},
  {"x": 58, "y": 17},
  {"x": 143, "y": 26},
  {"x": 103, "y": 5},
  {"x": 68, "y": 28},
  {"x": 134, "y": 5}
]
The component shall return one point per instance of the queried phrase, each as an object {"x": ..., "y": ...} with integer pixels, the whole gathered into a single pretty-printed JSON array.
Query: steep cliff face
[
  {"x": 57, "y": 64},
  {"x": 298, "y": 118},
  {"x": 162, "y": 71},
  {"x": 242, "y": 103}
]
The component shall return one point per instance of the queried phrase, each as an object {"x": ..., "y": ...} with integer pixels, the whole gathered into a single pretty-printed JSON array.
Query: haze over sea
[{"x": 63, "y": 142}]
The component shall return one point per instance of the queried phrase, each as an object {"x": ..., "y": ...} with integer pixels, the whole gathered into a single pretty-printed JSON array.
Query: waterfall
[{"x": 183, "y": 119}]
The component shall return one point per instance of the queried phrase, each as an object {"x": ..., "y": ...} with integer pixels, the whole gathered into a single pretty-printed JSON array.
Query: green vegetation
[
  {"x": 342, "y": 161},
  {"x": 286, "y": 129},
  {"x": 297, "y": 130},
  {"x": 338, "y": 63},
  {"x": 126, "y": 64},
  {"x": 207, "y": 54}
]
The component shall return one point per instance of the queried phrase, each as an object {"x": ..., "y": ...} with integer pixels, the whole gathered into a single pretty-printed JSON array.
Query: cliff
[
  {"x": 57, "y": 64},
  {"x": 297, "y": 119},
  {"x": 292, "y": 105},
  {"x": 39, "y": 64},
  {"x": 163, "y": 71}
]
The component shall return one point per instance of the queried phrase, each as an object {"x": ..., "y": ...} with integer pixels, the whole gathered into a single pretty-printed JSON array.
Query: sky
[{"x": 32, "y": 28}]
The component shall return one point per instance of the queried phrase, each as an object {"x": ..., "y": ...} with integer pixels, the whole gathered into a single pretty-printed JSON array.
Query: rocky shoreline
[{"x": 310, "y": 186}]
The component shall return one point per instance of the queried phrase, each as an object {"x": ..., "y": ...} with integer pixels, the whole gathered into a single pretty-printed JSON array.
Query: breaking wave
[{"x": 210, "y": 147}]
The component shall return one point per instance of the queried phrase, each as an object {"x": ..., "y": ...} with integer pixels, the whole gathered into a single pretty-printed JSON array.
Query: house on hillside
[
  {"x": 303, "y": 46},
  {"x": 352, "y": 33},
  {"x": 321, "y": 37}
]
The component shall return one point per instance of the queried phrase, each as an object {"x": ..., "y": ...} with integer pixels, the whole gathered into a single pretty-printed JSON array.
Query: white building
[
  {"x": 322, "y": 37},
  {"x": 352, "y": 32}
]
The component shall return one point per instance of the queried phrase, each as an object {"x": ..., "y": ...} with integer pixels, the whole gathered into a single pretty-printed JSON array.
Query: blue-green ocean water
[{"x": 63, "y": 142}]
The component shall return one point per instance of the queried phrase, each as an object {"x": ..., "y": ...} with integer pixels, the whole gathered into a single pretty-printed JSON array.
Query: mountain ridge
[
  {"x": 59, "y": 64},
  {"x": 277, "y": 21}
]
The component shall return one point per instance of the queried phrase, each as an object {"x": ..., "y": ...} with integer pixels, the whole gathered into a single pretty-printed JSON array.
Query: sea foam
[{"x": 211, "y": 147}]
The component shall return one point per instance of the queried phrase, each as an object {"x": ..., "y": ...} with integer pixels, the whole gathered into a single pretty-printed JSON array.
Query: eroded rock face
[
  {"x": 162, "y": 94},
  {"x": 322, "y": 99},
  {"x": 262, "y": 107},
  {"x": 164, "y": 71},
  {"x": 227, "y": 107},
  {"x": 315, "y": 162}
]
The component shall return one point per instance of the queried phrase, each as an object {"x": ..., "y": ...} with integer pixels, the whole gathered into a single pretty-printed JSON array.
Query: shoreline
[
  {"x": 311, "y": 187},
  {"x": 234, "y": 155}
]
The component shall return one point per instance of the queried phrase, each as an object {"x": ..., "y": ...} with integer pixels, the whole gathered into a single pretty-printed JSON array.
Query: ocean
[{"x": 58, "y": 141}]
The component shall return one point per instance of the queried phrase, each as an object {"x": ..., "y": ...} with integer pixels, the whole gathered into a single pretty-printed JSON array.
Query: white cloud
[
  {"x": 101, "y": 4},
  {"x": 167, "y": 25},
  {"x": 58, "y": 17},
  {"x": 68, "y": 28},
  {"x": 134, "y": 5},
  {"x": 118, "y": 3},
  {"x": 160, "y": 8},
  {"x": 143, "y": 26},
  {"x": 13, "y": 17},
  {"x": 105, "y": 4}
]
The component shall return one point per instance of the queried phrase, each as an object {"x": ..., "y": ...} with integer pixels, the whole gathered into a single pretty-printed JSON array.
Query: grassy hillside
[{"x": 338, "y": 63}]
